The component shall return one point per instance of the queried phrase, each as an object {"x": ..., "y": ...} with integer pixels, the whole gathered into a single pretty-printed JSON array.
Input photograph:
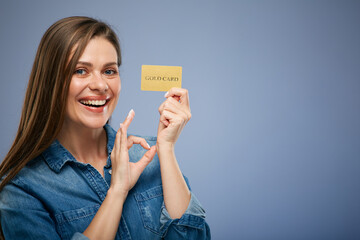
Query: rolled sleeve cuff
[
  {"x": 194, "y": 215},
  {"x": 79, "y": 236}
]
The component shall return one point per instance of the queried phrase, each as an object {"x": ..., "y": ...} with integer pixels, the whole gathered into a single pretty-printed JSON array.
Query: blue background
[{"x": 273, "y": 148}]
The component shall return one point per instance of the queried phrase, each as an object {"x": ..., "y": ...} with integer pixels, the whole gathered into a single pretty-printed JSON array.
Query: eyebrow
[{"x": 90, "y": 64}]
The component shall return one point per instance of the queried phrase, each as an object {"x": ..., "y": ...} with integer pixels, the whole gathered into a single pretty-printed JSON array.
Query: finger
[
  {"x": 123, "y": 129},
  {"x": 137, "y": 140},
  {"x": 182, "y": 93},
  {"x": 162, "y": 126},
  {"x": 161, "y": 107},
  {"x": 129, "y": 118},
  {"x": 145, "y": 160},
  {"x": 166, "y": 117},
  {"x": 123, "y": 139},
  {"x": 116, "y": 147},
  {"x": 173, "y": 106},
  {"x": 175, "y": 97},
  {"x": 171, "y": 103},
  {"x": 164, "y": 121},
  {"x": 171, "y": 118}
]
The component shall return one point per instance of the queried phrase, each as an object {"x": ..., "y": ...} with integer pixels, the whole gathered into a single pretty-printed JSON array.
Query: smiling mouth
[{"x": 94, "y": 103}]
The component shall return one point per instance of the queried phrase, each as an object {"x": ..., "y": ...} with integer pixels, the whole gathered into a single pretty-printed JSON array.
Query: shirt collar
[{"x": 57, "y": 156}]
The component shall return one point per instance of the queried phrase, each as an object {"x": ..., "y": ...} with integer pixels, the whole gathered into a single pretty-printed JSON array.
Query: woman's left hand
[{"x": 174, "y": 114}]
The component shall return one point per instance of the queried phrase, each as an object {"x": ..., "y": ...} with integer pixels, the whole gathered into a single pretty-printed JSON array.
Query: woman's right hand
[
  {"x": 124, "y": 173},
  {"x": 123, "y": 177}
]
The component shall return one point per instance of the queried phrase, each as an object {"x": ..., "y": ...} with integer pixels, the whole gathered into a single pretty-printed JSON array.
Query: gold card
[{"x": 160, "y": 78}]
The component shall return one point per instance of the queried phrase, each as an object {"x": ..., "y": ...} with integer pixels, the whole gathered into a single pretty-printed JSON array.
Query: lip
[
  {"x": 102, "y": 97},
  {"x": 95, "y": 109}
]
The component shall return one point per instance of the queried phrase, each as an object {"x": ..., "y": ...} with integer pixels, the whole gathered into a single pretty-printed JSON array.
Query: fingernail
[
  {"x": 121, "y": 125},
  {"x": 166, "y": 94},
  {"x": 148, "y": 145},
  {"x": 130, "y": 113}
]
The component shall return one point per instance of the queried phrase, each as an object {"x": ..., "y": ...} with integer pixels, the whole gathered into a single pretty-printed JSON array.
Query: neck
[{"x": 85, "y": 144}]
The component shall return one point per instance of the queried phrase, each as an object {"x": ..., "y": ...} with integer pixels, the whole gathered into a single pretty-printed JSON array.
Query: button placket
[{"x": 96, "y": 181}]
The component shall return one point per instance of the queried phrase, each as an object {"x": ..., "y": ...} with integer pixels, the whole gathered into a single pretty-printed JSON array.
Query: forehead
[{"x": 99, "y": 49}]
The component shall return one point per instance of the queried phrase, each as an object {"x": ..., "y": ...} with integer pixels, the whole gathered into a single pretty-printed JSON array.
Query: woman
[{"x": 69, "y": 175}]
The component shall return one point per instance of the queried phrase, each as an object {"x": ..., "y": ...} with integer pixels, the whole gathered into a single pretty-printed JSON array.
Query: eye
[
  {"x": 80, "y": 71},
  {"x": 110, "y": 72}
]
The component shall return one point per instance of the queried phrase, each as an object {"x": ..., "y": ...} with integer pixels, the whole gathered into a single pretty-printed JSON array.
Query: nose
[{"x": 97, "y": 83}]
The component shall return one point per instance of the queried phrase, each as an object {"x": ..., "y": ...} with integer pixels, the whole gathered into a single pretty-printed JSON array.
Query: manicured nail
[
  {"x": 121, "y": 125},
  {"x": 130, "y": 113},
  {"x": 148, "y": 145},
  {"x": 166, "y": 94}
]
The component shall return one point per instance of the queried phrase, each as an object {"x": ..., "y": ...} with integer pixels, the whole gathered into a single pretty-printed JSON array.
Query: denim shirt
[{"x": 56, "y": 197}]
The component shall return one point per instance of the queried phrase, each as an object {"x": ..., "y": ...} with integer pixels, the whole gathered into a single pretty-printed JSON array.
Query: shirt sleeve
[
  {"x": 191, "y": 225},
  {"x": 23, "y": 216}
]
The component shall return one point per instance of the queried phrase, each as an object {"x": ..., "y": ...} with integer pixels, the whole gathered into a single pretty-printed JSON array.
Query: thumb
[{"x": 161, "y": 126}]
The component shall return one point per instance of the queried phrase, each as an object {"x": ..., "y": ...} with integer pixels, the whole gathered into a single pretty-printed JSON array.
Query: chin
[{"x": 94, "y": 123}]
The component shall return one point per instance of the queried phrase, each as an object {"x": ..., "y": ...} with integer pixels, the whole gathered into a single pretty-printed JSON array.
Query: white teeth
[{"x": 93, "y": 102}]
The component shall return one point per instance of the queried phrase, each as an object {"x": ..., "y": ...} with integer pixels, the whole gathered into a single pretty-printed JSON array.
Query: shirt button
[{"x": 110, "y": 171}]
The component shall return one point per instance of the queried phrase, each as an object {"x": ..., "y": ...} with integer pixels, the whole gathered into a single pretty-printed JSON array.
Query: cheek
[
  {"x": 116, "y": 88},
  {"x": 75, "y": 88}
]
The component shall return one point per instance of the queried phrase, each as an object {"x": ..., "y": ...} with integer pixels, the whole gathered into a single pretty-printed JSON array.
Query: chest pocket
[
  {"x": 73, "y": 221},
  {"x": 149, "y": 203}
]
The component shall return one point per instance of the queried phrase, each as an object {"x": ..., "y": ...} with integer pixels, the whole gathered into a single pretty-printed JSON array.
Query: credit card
[{"x": 160, "y": 78}]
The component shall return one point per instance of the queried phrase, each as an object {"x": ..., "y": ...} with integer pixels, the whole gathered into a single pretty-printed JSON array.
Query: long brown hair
[{"x": 45, "y": 100}]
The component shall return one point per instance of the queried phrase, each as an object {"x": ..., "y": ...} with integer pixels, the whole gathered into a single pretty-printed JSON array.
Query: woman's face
[{"x": 95, "y": 85}]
